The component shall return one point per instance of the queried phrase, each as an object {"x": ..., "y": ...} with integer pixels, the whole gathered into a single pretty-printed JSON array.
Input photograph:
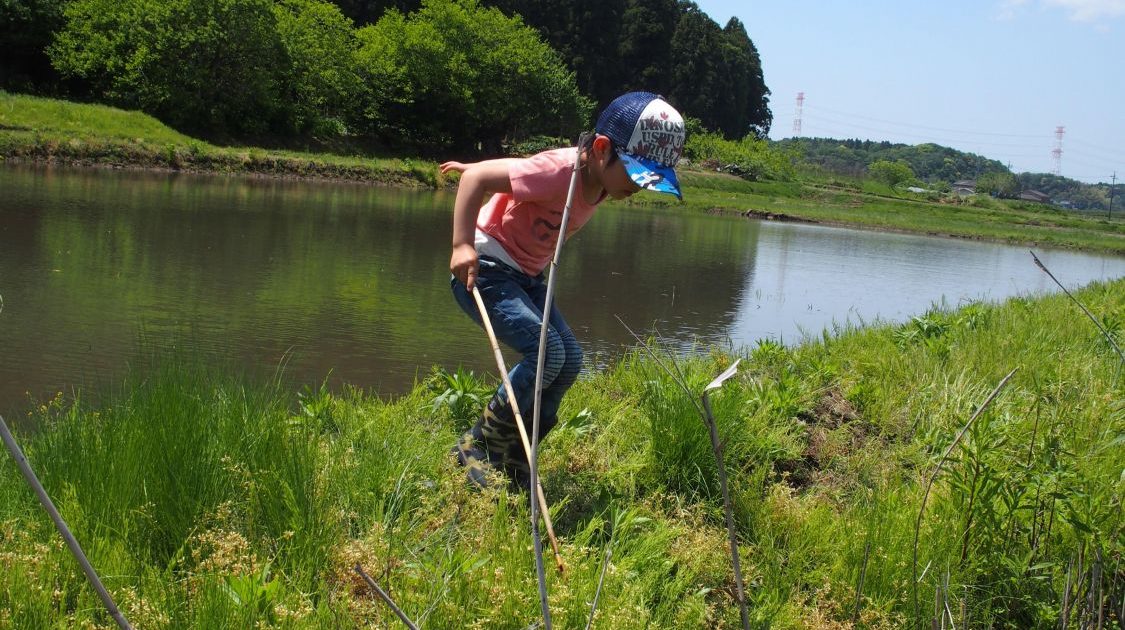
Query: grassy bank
[
  {"x": 870, "y": 205},
  {"x": 213, "y": 501},
  {"x": 41, "y": 129}
]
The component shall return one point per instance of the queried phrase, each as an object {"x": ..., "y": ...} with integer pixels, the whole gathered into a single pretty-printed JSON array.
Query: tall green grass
[{"x": 207, "y": 499}]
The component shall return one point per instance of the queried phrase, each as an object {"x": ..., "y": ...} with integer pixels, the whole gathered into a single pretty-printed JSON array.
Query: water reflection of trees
[
  {"x": 683, "y": 274},
  {"x": 346, "y": 279}
]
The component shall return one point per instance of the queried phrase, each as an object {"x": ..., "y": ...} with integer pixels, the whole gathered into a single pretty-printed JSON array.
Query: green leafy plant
[
  {"x": 316, "y": 406},
  {"x": 255, "y": 592},
  {"x": 462, "y": 392}
]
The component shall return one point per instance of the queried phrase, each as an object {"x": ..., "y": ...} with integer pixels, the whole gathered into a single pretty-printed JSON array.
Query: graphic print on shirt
[{"x": 544, "y": 230}]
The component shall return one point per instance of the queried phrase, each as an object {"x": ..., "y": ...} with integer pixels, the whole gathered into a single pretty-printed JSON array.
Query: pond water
[{"x": 350, "y": 282}]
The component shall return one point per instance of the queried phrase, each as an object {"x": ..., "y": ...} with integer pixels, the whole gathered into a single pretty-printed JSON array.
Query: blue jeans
[{"x": 515, "y": 308}]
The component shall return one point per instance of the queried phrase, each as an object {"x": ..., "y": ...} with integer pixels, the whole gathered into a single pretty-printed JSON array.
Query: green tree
[
  {"x": 644, "y": 47},
  {"x": 209, "y": 66},
  {"x": 321, "y": 82},
  {"x": 699, "y": 74},
  {"x": 999, "y": 184},
  {"x": 893, "y": 174},
  {"x": 26, "y": 29},
  {"x": 748, "y": 109},
  {"x": 454, "y": 74},
  {"x": 364, "y": 12},
  {"x": 749, "y": 157}
]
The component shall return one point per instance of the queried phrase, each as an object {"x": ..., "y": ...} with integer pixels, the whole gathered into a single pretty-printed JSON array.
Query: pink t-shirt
[{"x": 526, "y": 222}]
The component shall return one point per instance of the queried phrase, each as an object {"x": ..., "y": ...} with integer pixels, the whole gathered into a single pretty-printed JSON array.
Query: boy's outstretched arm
[{"x": 478, "y": 178}]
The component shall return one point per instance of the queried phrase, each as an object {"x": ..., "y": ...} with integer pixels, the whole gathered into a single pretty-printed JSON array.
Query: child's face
[{"x": 616, "y": 181}]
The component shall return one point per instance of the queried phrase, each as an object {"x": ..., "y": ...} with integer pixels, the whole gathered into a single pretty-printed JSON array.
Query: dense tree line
[
  {"x": 1072, "y": 193},
  {"x": 432, "y": 73},
  {"x": 26, "y": 29},
  {"x": 451, "y": 74},
  {"x": 668, "y": 46}
]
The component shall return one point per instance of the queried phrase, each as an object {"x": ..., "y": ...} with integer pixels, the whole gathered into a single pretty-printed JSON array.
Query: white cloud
[
  {"x": 1008, "y": 9},
  {"x": 1077, "y": 10},
  {"x": 1090, "y": 10}
]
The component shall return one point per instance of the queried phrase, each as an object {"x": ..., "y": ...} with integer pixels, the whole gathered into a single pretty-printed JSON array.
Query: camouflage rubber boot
[
  {"x": 516, "y": 466},
  {"x": 483, "y": 446},
  {"x": 472, "y": 457}
]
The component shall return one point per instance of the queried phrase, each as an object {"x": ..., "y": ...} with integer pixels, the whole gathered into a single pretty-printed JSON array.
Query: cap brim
[{"x": 651, "y": 175}]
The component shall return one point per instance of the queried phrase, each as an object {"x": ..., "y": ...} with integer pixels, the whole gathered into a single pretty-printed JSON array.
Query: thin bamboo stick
[
  {"x": 60, "y": 524},
  {"x": 499, "y": 356},
  {"x": 386, "y": 598},
  {"x": 548, "y": 299}
]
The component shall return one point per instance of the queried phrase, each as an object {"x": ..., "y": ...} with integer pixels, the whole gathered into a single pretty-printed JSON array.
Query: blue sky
[{"x": 993, "y": 77}]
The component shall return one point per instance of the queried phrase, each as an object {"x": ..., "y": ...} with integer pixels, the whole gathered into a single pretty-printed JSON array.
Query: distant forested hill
[
  {"x": 930, "y": 162},
  {"x": 1075, "y": 194}
]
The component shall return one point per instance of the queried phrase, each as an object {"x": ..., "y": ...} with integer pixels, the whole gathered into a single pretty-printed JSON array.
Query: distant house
[
  {"x": 1034, "y": 195},
  {"x": 965, "y": 187}
]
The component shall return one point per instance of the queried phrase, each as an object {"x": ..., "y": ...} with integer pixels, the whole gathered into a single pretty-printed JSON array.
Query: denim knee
[
  {"x": 572, "y": 364},
  {"x": 556, "y": 358}
]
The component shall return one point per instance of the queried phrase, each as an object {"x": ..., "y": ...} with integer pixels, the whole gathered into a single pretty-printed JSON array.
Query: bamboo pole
[
  {"x": 60, "y": 524},
  {"x": 519, "y": 421},
  {"x": 548, "y": 299}
]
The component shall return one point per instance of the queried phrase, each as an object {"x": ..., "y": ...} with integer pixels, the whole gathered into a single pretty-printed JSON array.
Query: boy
[{"x": 503, "y": 247}]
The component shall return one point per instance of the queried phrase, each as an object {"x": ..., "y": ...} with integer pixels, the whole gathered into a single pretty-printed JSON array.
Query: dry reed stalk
[
  {"x": 712, "y": 428},
  {"x": 1065, "y": 613},
  {"x": 937, "y": 469},
  {"x": 1085, "y": 310},
  {"x": 386, "y": 598},
  {"x": 601, "y": 580},
  {"x": 862, "y": 577}
]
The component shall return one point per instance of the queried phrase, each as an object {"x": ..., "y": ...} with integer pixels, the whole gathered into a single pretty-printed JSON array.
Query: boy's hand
[
  {"x": 453, "y": 166},
  {"x": 464, "y": 264}
]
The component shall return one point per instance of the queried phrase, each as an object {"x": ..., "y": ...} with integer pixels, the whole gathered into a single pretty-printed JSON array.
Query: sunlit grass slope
[
  {"x": 49, "y": 129},
  {"x": 208, "y": 500}
]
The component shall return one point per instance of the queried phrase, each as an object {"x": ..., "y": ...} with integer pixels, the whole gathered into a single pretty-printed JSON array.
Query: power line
[
  {"x": 1098, "y": 153},
  {"x": 1096, "y": 156},
  {"x": 1096, "y": 147},
  {"x": 915, "y": 125},
  {"x": 925, "y": 137}
]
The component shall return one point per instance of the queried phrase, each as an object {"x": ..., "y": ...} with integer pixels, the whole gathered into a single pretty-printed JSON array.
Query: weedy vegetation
[{"x": 208, "y": 499}]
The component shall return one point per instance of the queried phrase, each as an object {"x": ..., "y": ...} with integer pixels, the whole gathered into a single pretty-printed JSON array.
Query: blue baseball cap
[{"x": 649, "y": 135}]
